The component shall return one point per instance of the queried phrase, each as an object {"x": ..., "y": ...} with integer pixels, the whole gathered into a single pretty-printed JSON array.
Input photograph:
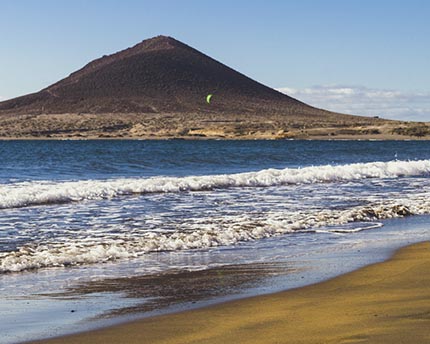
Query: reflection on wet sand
[{"x": 155, "y": 292}]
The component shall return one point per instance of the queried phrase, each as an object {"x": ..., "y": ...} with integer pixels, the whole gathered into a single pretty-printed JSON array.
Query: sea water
[{"x": 79, "y": 211}]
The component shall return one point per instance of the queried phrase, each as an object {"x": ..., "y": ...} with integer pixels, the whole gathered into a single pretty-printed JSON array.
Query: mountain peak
[
  {"x": 161, "y": 75},
  {"x": 157, "y": 43}
]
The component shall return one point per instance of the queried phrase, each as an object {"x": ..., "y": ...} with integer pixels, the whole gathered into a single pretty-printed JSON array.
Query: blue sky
[{"x": 307, "y": 47}]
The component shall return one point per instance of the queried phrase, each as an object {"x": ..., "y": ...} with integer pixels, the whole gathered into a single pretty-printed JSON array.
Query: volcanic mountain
[{"x": 158, "y": 77}]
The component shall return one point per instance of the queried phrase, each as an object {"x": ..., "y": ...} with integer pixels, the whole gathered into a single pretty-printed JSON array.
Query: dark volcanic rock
[{"x": 158, "y": 75}]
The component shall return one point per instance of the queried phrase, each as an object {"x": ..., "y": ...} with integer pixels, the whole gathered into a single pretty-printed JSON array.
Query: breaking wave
[
  {"x": 92, "y": 250},
  {"x": 39, "y": 193}
]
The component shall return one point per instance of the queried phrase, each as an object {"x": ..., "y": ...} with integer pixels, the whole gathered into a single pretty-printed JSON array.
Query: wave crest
[{"x": 39, "y": 193}]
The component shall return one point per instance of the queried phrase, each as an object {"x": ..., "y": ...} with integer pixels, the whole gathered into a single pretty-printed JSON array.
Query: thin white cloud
[{"x": 360, "y": 100}]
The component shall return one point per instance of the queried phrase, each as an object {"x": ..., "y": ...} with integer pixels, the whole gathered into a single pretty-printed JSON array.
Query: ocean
[{"x": 84, "y": 224}]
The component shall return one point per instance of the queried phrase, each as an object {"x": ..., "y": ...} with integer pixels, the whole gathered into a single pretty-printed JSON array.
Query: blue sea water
[
  {"x": 73, "y": 211},
  {"x": 75, "y": 160}
]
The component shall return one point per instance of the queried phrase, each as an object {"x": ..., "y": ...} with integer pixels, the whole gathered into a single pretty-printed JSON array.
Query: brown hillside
[
  {"x": 158, "y": 75},
  {"x": 158, "y": 88}
]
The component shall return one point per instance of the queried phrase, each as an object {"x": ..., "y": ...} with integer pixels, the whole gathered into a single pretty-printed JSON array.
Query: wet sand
[
  {"x": 174, "y": 290},
  {"x": 387, "y": 302}
]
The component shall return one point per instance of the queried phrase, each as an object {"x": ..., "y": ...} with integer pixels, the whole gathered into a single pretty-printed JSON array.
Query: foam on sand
[{"x": 100, "y": 250}]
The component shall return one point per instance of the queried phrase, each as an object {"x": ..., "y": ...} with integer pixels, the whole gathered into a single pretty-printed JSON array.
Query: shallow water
[{"x": 75, "y": 213}]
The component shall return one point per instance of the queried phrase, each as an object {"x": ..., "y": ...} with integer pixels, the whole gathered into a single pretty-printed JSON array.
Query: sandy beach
[{"x": 383, "y": 303}]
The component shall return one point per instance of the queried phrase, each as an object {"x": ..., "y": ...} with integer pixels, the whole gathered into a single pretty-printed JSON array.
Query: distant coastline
[
  {"x": 204, "y": 126},
  {"x": 199, "y": 127}
]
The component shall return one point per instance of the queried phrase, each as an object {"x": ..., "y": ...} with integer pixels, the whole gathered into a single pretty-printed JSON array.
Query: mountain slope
[
  {"x": 158, "y": 89},
  {"x": 158, "y": 75}
]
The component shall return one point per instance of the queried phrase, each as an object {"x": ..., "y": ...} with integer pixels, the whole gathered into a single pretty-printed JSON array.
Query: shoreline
[
  {"x": 216, "y": 138},
  {"x": 383, "y": 302}
]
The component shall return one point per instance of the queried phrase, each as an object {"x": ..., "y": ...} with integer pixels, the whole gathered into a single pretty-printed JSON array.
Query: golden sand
[{"x": 387, "y": 302}]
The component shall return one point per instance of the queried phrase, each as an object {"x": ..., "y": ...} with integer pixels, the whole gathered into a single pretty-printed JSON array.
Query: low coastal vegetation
[
  {"x": 201, "y": 126},
  {"x": 413, "y": 129}
]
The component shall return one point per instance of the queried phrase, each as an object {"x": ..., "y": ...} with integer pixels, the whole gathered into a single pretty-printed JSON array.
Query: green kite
[{"x": 208, "y": 98}]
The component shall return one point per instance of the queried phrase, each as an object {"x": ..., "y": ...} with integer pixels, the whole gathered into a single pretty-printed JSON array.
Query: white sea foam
[
  {"x": 38, "y": 193},
  {"x": 111, "y": 240},
  {"x": 99, "y": 250}
]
